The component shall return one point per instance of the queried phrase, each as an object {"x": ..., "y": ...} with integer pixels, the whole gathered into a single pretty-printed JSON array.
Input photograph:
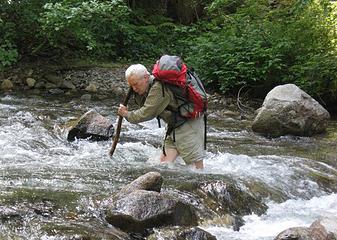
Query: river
[{"x": 46, "y": 180}]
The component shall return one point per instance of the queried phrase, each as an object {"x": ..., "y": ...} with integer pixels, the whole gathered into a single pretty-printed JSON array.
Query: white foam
[{"x": 292, "y": 213}]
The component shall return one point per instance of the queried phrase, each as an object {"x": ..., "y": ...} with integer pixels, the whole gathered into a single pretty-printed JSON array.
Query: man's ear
[{"x": 147, "y": 77}]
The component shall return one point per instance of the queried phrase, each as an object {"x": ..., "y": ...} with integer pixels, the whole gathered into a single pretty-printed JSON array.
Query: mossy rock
[{"x": 84, "y": 231}]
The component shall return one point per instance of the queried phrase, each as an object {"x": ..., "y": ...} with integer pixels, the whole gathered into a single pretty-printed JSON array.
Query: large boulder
[
  {"x": 91, "y": 125},
  {"x": 143, "y": 209},
  {"x": 140, "y": 206},
  {"x": 289, "y": 110}
]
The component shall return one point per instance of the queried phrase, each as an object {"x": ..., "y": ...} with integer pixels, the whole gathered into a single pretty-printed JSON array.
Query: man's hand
[{"x": 122, "y": 110}]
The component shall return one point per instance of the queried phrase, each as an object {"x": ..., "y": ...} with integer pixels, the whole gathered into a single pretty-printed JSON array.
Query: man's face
[{"x": 139, "y": 84}]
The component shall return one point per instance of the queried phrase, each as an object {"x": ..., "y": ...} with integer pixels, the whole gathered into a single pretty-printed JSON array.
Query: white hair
[{"x": 136, "y": 69}]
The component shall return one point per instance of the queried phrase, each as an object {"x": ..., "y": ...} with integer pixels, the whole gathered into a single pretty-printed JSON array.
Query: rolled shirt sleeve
[{"x": 154, "y": 105}]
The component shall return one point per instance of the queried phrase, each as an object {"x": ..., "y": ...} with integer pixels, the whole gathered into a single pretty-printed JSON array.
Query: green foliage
[
  {"x": 257, "y": 43},
  {"x": 93, "y": 26},
  {"x": 264, "y": 45},
  {"x": 8, "y": 51},
  {"x": 151, "y": 36},
  {"x": 8, "y": 55}
]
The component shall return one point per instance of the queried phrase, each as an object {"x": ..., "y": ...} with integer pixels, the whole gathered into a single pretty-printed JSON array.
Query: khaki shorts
[{"x": 189, "y": 140}]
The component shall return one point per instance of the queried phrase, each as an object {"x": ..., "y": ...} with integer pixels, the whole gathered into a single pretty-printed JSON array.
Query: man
[{"x": 185, "y": 137}]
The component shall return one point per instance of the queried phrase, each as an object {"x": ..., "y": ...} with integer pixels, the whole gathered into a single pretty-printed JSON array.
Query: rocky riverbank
[
  {"x": 99, "y": 82},
  {"x": 66, "y": 79}
]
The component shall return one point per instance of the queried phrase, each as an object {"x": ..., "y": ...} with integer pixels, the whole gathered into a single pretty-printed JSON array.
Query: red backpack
[
  {"x": 186, "y": 87},
  {"x": 184, "y": 84}
]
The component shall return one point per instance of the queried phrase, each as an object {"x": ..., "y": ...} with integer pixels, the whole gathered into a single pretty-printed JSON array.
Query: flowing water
[{"x": 48, "y": 183}]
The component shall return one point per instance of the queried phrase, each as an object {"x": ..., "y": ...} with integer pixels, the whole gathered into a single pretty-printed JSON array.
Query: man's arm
[{"x": 155, "y": 103}]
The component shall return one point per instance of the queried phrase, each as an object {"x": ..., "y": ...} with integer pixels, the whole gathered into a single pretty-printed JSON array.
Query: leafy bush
[
  {"x": 256, "y": 43},
  {"x": 8, "y": 51},
  {"x": 151, "y": 36},
  {"x": 264, "y": 45},
  {"x": 8, "y": 55},
  {"x": 94, "y": 26}
]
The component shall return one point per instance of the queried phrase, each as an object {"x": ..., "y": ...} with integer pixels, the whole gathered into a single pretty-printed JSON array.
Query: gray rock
[
  {"x": 295, "y": 233},
  {"x": 30, "y": 73},
  {"x": 50, "y": 85},
  {"x": 289, "y": 110},
  {"x": 67, "y": 85},
  {"x": 86, "y": 97},
  {"x": 6, "y": 85},
  {"x": 54, "y": 79},
  {"x": 91, "y": 125},
  {"x": 40, "y": 85},
  {"x": 142, "y": 209},
  {"x": 151, "y": 181},
  {"x": 181, "y": 233},
  {"x": 9, "y": 213},
  {"x": 91, "y": 88},
  {"x": 324, "y": 229},
  {"x": 139, "y": 206},
  {"x": 231, "y": 199},
  {"x": 195, "y": 234},
  {"x": 30, "y": 82}
]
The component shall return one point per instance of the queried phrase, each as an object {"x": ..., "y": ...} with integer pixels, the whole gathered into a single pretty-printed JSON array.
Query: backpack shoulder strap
[{"x": 162, "y": 85}]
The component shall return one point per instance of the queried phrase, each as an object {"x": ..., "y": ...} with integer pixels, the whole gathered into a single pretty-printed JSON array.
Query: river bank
[
  {"x": 102, "y": 81},
  {"x": 105, "y": 80}
]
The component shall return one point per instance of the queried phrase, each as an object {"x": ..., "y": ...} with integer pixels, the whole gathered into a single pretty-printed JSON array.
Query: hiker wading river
[
  {"x": 184, "y": 136},
  {"x": 51, "y": 188}
]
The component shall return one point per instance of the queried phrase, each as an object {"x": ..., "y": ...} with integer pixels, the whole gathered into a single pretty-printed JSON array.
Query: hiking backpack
[{"x": 185, "y": 85}]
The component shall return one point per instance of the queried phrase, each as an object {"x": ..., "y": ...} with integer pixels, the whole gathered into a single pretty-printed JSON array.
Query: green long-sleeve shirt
[{"x": 155, "y": 102}]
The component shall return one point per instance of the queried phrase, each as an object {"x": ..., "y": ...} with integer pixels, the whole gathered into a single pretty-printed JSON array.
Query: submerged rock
[
  {"x": 91, "y": 125},
  {"x": 9, "y": 213},
  {"x": 232, "y": 199},
  {"x": 289, "y": 110},
  {"x": 221, "y": 203}
]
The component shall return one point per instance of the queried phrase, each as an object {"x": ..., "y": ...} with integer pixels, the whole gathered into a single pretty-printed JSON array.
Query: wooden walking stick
[{"x": 119, "y": 124}]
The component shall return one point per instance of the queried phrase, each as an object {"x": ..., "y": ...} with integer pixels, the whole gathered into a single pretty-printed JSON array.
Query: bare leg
[
  {"x": 199, "y": 164},
  {"x": 171, "y": 156}
]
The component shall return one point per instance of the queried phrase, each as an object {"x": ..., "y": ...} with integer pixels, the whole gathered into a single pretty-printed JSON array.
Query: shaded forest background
[{"x": 233, "y": 44}]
